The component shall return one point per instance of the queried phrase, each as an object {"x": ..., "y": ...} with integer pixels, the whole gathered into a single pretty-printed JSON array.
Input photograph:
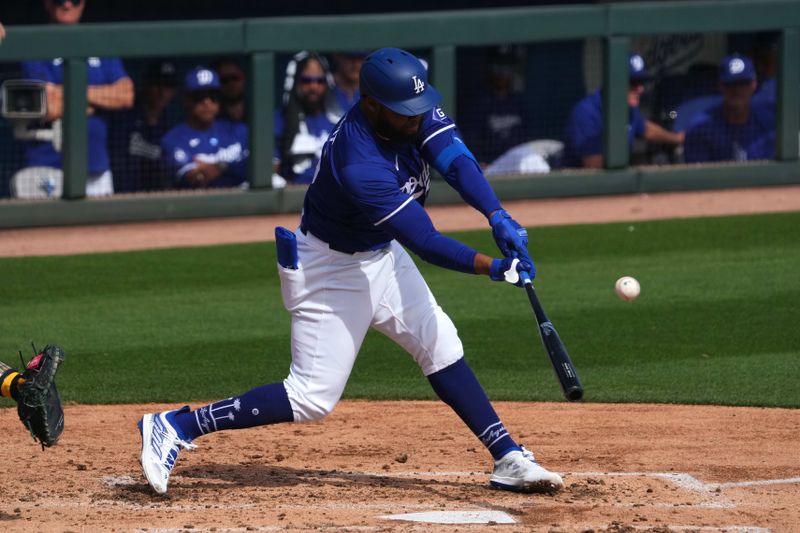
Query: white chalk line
[
  {"x": 689, "y": 482},
  {"x": 760, "y": 482}
]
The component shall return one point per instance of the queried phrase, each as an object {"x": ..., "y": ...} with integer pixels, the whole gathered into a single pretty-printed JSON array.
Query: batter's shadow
[{"x": 271, "y": 476}]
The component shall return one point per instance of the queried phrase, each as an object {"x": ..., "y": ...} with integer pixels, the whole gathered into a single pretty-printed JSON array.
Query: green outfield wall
[{"x": 440, "y": 31}]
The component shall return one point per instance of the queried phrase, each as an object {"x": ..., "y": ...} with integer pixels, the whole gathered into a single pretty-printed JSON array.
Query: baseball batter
[{"x": 345, "y": 270}]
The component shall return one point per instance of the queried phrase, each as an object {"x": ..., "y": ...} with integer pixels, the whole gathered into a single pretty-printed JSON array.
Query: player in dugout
[
  {"x": 583, "y": 141},
  {"x": 345, "y": 270},
  {"x": 203, "y": 151},
  {"x": 740, "y": 128}
]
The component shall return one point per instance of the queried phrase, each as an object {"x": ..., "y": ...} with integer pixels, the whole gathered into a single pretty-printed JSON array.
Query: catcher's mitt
[{"x": 38, "y": 403}]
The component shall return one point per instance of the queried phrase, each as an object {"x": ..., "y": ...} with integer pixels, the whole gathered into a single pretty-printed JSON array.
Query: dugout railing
[{"x": 440, "y": 31}]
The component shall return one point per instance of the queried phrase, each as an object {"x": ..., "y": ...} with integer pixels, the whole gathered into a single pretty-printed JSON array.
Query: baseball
[{"x": 627, "y": 288}]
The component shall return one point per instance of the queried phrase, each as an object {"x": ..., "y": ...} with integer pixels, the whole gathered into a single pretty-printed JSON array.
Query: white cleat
[
  {"x": 160, "y": 447},
  {"x": 518, "y": 471}
]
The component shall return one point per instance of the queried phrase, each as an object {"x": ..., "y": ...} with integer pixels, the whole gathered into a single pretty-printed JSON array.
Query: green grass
[{"x": 717, "y": 321}]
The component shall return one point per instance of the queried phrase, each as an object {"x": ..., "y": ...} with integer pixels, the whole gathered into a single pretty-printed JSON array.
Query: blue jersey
[
  {"x": 299, "y": 159},
  {"x": 584, "y": 132},
  {"x": 767, "y": 92},
  {"x": 101, "y": 71},
  {"x": 367, "y": 191},
  {"x": 713, "y": 139},
  {"x": 224, "y": 142},
  {"x": 344, "y": 100}
]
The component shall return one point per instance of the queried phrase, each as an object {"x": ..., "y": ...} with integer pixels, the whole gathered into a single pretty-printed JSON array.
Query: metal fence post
[
  {"x": 444, "y": 76},
  {"x": 615, "y": 105},
  {"x": 788, "y": 95},
  {"x": 260, "y": 103},
  {"x": 74, "y": 130}
]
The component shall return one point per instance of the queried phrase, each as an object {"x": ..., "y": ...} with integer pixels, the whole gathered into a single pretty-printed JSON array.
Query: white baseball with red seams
[{"x": 627, "y": 288}]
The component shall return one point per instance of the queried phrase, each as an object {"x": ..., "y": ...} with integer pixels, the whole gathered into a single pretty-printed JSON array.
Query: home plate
[{"x": 455, "y": 517}]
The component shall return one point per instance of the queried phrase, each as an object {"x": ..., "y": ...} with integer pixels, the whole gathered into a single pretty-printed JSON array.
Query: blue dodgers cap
[
  {"x": 735, "y": 68},
  {"x": 636, "y": 68},
  {"x": 201, "y": 79},
  {"x": 399, "y": 81}
]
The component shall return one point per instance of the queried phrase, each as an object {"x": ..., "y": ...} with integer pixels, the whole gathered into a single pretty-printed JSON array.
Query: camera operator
[{"x": 110, "y": 88}]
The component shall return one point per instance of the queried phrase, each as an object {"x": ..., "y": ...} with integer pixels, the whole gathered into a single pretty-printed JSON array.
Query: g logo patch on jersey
[{"x": 438, "y": 115}]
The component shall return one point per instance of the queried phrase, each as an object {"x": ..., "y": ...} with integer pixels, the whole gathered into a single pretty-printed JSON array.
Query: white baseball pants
[{"x": 335, "y": 297}]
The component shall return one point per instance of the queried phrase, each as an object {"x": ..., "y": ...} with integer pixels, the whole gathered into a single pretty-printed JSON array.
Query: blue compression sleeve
[
  {"x": 412, "y": 227},
  {"x": 465, "y": 176}
]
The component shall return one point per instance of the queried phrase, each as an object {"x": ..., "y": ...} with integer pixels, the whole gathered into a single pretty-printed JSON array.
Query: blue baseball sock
[
  {"x": 458, "y": 387},
  {"x": 267, "y": 404}
]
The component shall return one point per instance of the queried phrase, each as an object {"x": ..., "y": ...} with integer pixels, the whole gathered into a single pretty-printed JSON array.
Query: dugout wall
[{"x": 440, "y": 32}]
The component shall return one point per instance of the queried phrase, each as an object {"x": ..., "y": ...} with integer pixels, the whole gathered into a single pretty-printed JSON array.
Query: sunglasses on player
[
  {"x": 200, "y": 96},
  {"x": 228, "y": 78},
  {"x": 313, "y": 79},
  {"x": 60, "y": 3}
]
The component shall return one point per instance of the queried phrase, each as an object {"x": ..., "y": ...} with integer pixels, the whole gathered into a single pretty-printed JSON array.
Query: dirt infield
[{"x": 627, "y": 468}]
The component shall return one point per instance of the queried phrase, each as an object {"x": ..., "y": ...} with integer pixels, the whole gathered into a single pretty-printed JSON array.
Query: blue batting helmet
[{"x": 399, "y": 81}]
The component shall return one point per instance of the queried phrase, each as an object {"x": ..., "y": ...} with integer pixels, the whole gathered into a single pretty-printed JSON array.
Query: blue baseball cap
[
  {"x": 398, "y": 80},
  {"x": 735, "y": 68},
  {"x": 201, "y": 79},
  {"x": 636, "y": 68}
]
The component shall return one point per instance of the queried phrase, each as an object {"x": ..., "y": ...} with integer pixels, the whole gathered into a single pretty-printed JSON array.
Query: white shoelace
[{"x": 185, "y": 444}]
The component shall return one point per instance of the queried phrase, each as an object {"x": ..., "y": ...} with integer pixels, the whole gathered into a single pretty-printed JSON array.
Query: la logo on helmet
[{"x": 419, "y": 85}]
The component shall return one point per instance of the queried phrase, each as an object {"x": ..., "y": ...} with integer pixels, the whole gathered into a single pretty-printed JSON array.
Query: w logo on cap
[{"x": 419, "y": 85}]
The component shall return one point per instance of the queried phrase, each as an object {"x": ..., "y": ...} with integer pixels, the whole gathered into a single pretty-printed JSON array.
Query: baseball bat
[{"x": 559, "y": 358}]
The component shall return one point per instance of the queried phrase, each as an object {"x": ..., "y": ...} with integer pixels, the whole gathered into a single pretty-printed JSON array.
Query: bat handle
[{"x": 526, "y": 279}]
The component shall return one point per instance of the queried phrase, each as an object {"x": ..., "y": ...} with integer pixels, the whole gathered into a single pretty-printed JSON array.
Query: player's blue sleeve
[
  {"x": 376, "y": 193},
  {"x": 37, "y": 70},
  {"x": 443, "y": 148},
  {"x": 177, "y": 160},
  {"x": 412, "y": 227},
  {"x": 695, "y": 149},
  {"x": 585, "y": 132},
  {"x": 238, "y": 168},
  {"x": 113, "y": 70},
  {"x": 762, "y": 147}
]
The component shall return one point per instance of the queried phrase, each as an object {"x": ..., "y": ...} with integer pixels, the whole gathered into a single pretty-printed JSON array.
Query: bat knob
[{"x": 574, "y": 394}]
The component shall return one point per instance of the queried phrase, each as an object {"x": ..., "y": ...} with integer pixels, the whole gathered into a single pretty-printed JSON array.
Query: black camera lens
[{"x": 23, "y": 101}]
